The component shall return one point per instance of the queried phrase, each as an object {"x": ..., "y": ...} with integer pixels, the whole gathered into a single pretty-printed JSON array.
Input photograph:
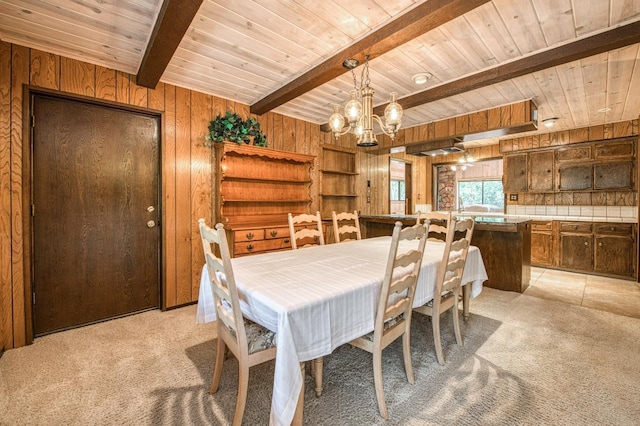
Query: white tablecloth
[{"x": 319, "y": 298}]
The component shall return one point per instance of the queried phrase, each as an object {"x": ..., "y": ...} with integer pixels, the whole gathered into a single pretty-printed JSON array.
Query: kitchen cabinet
[
  {"x": 618, "y": 176},
  {"x": 576, "y": 246},
  {"x": 542, "y": 243},
  {"x": 575, "y": 177},
  {"x": 614, "y": 249},
  {"x": 605, "y": 248},
  {"x": 541, "y": 171},
  {"x": 515, "y": 172}
]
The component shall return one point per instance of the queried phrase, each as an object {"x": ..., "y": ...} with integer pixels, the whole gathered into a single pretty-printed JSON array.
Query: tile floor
[{"x": 618, "y": 296}]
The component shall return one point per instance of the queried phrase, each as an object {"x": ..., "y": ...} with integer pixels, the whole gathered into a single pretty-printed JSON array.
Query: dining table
[{"x": 321, "y": 297}]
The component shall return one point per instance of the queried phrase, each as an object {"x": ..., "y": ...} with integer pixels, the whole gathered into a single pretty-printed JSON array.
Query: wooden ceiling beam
[
  {"x": 172, "y": 24},
  {"x": 423, "y": 18},
  {"x": 616, "y": 38}
]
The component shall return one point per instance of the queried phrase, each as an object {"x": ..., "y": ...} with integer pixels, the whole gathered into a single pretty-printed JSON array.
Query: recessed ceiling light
[
  {"x": 549, "y": 122},
  {"x": 422, "y": 78},
  {"x": 605, "y": 109}
]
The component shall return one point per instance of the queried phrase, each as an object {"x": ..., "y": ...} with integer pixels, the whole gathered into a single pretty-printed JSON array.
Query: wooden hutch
[{"x": 256, "y": 188}]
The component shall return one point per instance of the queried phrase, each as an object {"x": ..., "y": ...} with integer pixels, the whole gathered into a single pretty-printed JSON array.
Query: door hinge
[
  {"x": 33, "y": 210},
  {"x": 33, "y": 298},
  {"x": 33, "y": 121}
]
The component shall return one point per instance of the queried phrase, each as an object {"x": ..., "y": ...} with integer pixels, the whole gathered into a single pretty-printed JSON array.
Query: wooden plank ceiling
[{"x": 276, "y": 53}]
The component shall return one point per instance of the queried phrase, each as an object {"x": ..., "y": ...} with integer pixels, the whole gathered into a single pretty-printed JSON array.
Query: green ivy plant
[{"x": 231, "y": 127}]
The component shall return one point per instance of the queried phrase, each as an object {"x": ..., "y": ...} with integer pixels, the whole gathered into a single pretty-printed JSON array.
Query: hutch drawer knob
[
  {"x": 250, "y": 247},
  {"x": 250, "y": 236},
  {"x": 287, "y": 241},
  {"x": 274, "y": 233}
]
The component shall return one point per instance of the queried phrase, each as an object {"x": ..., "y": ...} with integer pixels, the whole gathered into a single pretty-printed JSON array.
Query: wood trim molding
[{"x": 417, "y": 21}]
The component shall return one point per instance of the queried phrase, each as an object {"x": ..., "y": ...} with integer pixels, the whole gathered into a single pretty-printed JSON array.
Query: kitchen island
[{"x": 505, "y": 245}]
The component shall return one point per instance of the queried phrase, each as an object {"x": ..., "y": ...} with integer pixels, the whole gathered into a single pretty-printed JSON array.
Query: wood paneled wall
[{"x": 186, "y": 167}]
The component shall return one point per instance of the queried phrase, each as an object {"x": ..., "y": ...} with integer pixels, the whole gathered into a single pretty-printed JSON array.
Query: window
[
  {"x": 396, "y": 192},
  {"x": 486, "y": 192}
]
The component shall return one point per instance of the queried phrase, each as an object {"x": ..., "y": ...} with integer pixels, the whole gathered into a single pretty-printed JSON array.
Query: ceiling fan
[{"x": 466, "y": 160}]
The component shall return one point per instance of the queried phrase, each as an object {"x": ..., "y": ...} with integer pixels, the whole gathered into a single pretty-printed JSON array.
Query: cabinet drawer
[
  {"x": 541, "y": 226},
  {"x": 248, "y": 235},
  {"x": 578, "y": 227},
  {"x": 574, "y": 154},
  {"x": 614, "y": 150},
  {"x": 261, "y": 245},
  {"x": 614, "y": 229},
  {"x": 276, "y": 232}
]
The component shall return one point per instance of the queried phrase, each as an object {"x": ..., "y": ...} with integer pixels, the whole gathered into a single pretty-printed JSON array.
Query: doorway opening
[{"x": 400, "y": 188}]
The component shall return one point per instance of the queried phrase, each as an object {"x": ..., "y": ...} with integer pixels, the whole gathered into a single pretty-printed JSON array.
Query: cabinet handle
[
  {"x": 586, "y": 243},
  {"x": 250, "y": 236},
  {"x": 286, "y": 241},
  {"x": 250, "y": 247},
  {"x": 274, "y": 233},
  {"x": 599, "y": 244}
]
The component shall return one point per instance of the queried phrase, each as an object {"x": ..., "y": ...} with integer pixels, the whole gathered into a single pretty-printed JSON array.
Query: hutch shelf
[{"x": 256, "y": 188}]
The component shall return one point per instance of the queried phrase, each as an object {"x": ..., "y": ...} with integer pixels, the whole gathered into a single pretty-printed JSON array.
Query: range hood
[{"x": 437, "y": 147}]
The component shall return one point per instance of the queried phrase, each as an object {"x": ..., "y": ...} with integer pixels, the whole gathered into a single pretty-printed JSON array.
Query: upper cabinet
[
  {"x": 515, "y": 172},
  {"x": 600, "y": 166},
  {"x": 593, "y": 167},
  {"x": 541, "y": 171}
]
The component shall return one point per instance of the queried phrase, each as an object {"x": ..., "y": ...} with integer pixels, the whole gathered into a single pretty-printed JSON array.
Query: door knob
[{"x": 151, "y": 224}]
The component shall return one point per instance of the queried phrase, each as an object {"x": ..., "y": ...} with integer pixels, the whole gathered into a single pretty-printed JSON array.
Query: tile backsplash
[{"x": 594, "y": 213}]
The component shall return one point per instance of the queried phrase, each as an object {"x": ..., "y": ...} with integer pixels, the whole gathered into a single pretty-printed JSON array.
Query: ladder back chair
[
  {"x": 449, "y": 281},
  {"x": 438, "y": 224},
  {"x": 393, "y": 314},
  {"x": 309, "y": 230},
  {"x": 249, "y": 342},
  {"x": 346, "y": 226}
]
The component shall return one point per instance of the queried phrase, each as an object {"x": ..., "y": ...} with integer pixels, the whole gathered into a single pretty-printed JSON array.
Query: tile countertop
[
  {"x": 515, "y": 217},
  {"x": 543, "y": 217}
]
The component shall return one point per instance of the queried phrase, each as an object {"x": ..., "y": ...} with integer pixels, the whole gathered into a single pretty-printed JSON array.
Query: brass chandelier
[{"x": 359, "y": 110}]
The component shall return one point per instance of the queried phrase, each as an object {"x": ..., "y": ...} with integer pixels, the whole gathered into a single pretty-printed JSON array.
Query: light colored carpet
[{"x": 526, "y": 361}]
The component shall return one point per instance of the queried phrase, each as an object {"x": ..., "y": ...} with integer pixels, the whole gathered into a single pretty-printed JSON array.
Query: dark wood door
[{"x": 95, "y": 212}]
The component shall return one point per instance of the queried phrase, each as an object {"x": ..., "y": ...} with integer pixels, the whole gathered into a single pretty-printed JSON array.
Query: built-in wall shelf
[{"x": 338, "y": 180}]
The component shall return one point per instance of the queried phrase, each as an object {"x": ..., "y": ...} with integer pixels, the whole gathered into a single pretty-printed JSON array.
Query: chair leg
[
  {"x": 377, "y": 379},
  {"x": 217, "y": 370},
  {"x": 406, "y": 352},
  {"x": 456, "y": 320},
  {"x": 436, "y": 337},
  {"x": 243, "y": 387},
  {"x": 466, "y": 299},
  {"x": 318, "y": 365}
]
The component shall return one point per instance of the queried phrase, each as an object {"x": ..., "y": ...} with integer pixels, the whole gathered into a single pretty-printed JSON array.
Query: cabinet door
[
  {"x": 542, "y": 248},
  {"x": 576, "y": 251},
  {"x": 575, "y": 177},
  {"x": 613, "y": 176},
  {"x": 614, "y": 255},
  {"x": 515, "y": 172},
  {"x": 541, "y": 171}
]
